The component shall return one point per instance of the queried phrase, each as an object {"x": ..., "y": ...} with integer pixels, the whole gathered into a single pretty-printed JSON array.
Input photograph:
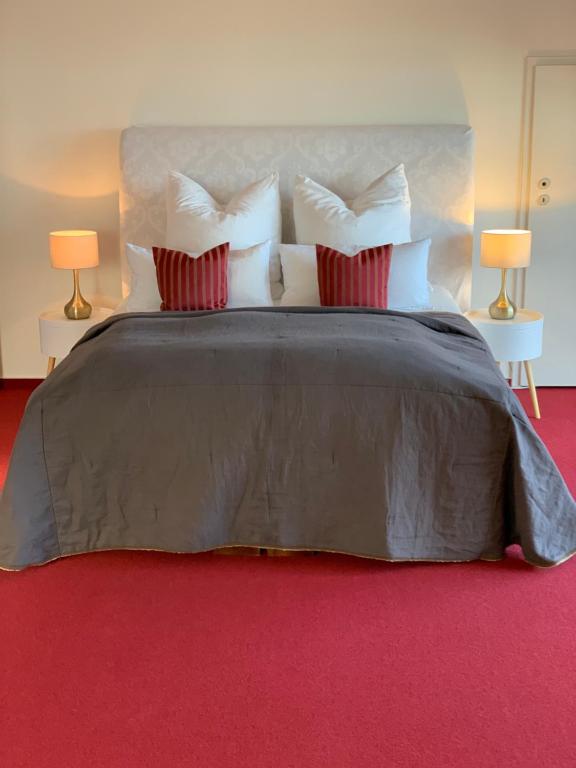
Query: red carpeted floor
[{"x": 137, "y": 660}]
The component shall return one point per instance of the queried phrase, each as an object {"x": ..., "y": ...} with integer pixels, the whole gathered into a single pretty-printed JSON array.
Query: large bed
[{"x": 376, "y": 433}]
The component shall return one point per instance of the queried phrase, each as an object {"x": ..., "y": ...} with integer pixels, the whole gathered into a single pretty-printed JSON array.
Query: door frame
[{"x": 531, "y": 62}]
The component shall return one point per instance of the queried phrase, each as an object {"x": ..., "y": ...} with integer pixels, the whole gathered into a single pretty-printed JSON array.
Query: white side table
[
  {"x": 58, "y": 334},
  {"x": 516, "y": 340}
]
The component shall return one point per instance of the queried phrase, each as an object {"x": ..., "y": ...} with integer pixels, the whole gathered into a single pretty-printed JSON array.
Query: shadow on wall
[{"x": 75, "y": 165}]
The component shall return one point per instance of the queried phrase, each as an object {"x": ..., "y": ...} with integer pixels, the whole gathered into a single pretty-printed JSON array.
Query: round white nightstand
[
  {"x": 58, "y": 334},
  {"x": 516, "y": 340}
]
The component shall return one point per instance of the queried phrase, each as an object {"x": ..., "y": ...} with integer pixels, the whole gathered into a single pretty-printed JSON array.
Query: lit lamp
[
  {"x": 504, "y": 249},
  {"x": 75, "y": 249}
]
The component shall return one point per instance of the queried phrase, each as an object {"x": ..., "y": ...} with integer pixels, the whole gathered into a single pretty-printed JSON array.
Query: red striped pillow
[
  {"x": 354, "y": 281},
  {"x": 190, "y": 283}
]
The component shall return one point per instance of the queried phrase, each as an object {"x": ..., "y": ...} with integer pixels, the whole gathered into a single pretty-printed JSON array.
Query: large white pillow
[
  {"x": 408, "y": 287},
  {"x": 441, "y": 300},
  {"x": 248, "y": 281},
  {"x": 248, "y": 276},
  {"x": 380, "y": 214},
  {"x": 195, "y": 221},
  {"x": 143, "y": 295}
]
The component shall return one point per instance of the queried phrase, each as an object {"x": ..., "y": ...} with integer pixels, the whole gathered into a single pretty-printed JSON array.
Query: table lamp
[
  {"x": 504, "y": 249},
  {"x": 75, "y": 249}
]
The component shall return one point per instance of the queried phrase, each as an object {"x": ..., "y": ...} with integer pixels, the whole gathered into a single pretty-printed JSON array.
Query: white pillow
[
  {"x": 144, "y": 295},
  {"x": 248, "y": 281},
  {"x": 442, "y": 300},
  {"x": 379, "y": 215},
  {"x": 408, "y": 287},
  {"x": 196, "y": 222},
  {"x": 248, "y": 276}
]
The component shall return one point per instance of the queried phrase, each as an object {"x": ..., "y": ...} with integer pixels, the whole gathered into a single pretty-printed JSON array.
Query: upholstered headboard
[{"x": 438, "y": 162}]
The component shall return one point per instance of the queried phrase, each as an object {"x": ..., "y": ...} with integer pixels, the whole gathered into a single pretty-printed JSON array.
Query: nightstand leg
[
  {"x": 51, "y": 364},
  {"x": 533, "y": 395}
]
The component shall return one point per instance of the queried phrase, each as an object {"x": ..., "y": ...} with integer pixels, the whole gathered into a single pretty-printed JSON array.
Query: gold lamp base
[
  {"x": 77, "y": 308},
  {"x": 503, "y": 308}
]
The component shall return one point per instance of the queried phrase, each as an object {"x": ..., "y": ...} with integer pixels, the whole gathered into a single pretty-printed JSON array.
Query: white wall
[{"x": 74, "y": 74}]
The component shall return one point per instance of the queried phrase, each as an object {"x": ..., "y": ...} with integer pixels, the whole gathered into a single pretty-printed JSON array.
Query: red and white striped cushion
[
  {"x": 191, "y": 283},
  {"x": 354, "y": 281}
]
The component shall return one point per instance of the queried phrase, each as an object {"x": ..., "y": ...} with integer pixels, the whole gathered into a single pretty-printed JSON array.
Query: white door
[{"x": 551, "y": 277}]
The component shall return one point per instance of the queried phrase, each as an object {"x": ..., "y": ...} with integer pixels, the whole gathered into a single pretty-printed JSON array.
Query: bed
[{"x": 376, "y": 433}]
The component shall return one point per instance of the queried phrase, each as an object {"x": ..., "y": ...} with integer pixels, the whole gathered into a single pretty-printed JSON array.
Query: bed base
[{"x": 261, "y": 552}]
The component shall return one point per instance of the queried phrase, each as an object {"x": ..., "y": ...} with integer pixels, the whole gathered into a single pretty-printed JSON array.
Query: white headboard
[{"x": 438, "y": 160}]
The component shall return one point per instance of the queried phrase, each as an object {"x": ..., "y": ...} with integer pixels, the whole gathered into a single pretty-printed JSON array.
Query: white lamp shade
[
  {"x": 505, "y": 248},
  {"x": 74, "y": 249}
]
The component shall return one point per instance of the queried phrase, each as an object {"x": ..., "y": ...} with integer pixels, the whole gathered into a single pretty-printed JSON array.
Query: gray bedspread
[{"x": 375, "y": 433}]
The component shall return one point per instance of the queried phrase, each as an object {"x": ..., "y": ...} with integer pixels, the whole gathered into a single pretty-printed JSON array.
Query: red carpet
[{"x": 137, "y": 660}]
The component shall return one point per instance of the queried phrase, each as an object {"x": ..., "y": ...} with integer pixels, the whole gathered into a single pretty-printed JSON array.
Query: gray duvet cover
[{"x": 375, "y": 433}]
